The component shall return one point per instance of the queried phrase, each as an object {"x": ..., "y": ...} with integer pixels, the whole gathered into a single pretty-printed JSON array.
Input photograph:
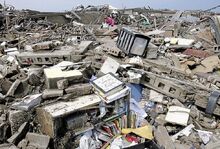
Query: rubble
[
  {"x": 16, "y": 119},
  {"x": 160, "y": 135},
  {"x": 17, "y": 137},
  {"x": 33, "y": 140},
  {"x": 51, "y": 93},
  {"x": 101, "y": 77},
  {"x": 53, "y": 75},
  {"x": 28, "y": 102}
]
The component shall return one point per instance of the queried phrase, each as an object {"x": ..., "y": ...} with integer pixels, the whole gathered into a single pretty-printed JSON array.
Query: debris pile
[{"x": 101, "y": 77}]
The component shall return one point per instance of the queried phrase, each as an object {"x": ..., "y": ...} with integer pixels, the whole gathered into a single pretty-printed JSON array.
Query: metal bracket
[{"x": 213, "y": 98}]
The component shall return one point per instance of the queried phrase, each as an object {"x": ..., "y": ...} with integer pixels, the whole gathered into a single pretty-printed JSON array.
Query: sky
[{"x": 62, "y": 5}]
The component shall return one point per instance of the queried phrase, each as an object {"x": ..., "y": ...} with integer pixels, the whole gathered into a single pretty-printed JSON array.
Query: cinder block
[
  {"x": 55, "y": 74},
  {"x": 28, "y": 102},
  {"x": 37, "y": 140},
  {"x": 84, "y": 46},
  {"x": 165, "y": 87},
  {"x": 16, "y": 119},
  {"x": 51, "y": 93},
  {"x": 45, "y": 57}
]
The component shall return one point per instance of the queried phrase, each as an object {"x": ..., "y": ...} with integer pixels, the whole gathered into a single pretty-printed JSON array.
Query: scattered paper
[
  {"x": 185, "y": 132},
  {"x": 205, "y": 135}
]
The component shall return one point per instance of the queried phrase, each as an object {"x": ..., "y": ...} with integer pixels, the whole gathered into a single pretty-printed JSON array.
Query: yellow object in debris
[
  {"x": 173, "y": 41},
  {"x": 145, "y": 132}
]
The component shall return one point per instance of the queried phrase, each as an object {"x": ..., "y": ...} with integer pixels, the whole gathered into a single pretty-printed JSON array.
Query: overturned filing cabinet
[
  {"x": 55, "y": 118},
  {"x": 82, "y": 114},
  {"x": 132, "y": 42}
]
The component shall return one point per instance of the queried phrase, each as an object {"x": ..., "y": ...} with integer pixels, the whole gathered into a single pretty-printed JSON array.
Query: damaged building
[{"x": 98, "y": 77}]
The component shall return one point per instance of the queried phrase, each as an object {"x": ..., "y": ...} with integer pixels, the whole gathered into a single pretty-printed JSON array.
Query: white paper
[
  {"x": 185, "y": 132},
  {"x": 178, "y": 115},
  {"x": 205, "y": 136},
  {"x": 134, "y": 106},
  {"x": 110, "y": 65}
]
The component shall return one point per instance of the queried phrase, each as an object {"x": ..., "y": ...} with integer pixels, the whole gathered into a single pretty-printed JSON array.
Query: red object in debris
[
  {"x": 197, "y": 53},
  {"x": 110, "y": 21},
  {"x": 131, "y": 138}
]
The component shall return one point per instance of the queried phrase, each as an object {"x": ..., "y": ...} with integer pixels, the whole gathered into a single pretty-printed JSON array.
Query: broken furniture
[
  {"x": 75, "y": 114},
  {"x": 54, "y": 117},
  {"x": 132, "y": 43}
]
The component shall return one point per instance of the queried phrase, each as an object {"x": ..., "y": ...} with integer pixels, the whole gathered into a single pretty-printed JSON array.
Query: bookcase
[{"x": 114, "y": 121}]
